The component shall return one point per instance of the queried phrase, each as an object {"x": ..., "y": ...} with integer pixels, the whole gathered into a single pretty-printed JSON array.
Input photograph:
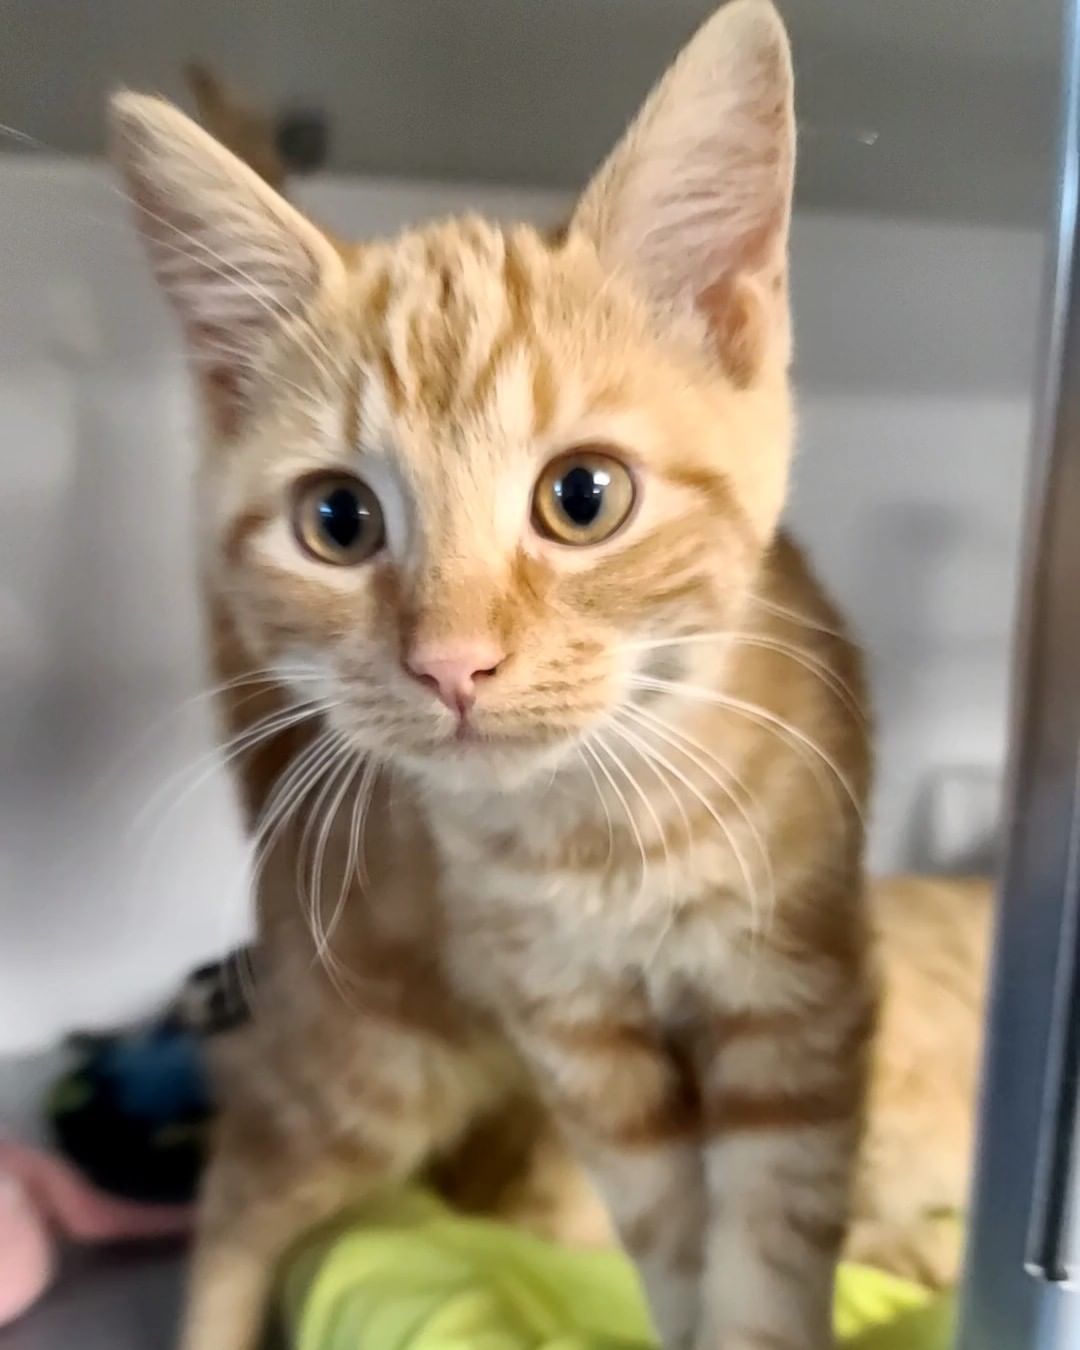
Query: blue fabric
[{"x": 158, "y": 1076}]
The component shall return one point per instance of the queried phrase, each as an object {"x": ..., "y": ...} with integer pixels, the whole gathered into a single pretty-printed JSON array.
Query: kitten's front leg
[
  {"x": 292, "y": 1151},
  {"x": 782, "y": 1097},
  {"x": 622, "y": 1103},
  {"x": 654, "y": 1194}
]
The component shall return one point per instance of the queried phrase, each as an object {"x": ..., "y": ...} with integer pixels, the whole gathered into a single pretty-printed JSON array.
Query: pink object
[
  {"x": 451, "y": 668},
  {"x": 39, "y": 1192},
  {"x": 27, "y": 1258},
  {"x": 79, "y": 1209}
]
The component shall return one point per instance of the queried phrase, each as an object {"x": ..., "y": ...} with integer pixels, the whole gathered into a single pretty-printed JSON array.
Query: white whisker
[
  {"x": 668, "y": 916},
  {"x": 702, "y": 757},
  {"x": 281, "y": 786},
  {"x": 327, "y": 776},
  {"x": 650, "y": 810},
  {"x": 236, "y": 276},
  {"x": 808, "y": 660},
  {"x": 797, "y": 617},
  {"x": 345, "y": 767},
  {"x": 359, "y": 821},
  {"x": 288, "y": 791},
  {"x": 267, "y": 677},
  {"x": 620, "y": 796},
  {"x": 338, "y": 975},
  {"x": 24, "y": 138},
  {"x": 642, "y": 750},
  {"x": 581, "y": 750},
  {"x": 212, "y": 359},
  {"x": 728, "y": 833},
  {"x": 784, "y": 729},
  {"x": 354, "y": 864},
  {"x": 202, "y": 769}
]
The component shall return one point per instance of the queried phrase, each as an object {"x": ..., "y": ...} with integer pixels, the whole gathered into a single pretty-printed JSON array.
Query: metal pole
[{"x": 1022, "y": 1251}]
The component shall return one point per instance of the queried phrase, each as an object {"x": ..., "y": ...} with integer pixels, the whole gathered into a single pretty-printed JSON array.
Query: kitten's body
[{"x": 613, "y": 777}]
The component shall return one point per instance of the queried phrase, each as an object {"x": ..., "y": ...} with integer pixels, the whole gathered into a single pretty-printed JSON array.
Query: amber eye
[
  {"x": 338, "y": 519},
  {"x": 583, "y": 497}
]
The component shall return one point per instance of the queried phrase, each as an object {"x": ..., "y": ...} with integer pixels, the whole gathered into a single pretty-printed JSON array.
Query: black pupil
[
  {"x": 341, "y": 517},
  {"x": 581, "y": 494}
]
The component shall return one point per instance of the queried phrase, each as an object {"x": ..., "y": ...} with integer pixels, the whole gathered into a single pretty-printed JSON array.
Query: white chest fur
[{"x": 525, "y": 921}]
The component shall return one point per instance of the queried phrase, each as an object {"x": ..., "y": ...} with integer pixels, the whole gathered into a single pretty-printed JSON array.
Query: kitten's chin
[{"x": 487, "y": 764}]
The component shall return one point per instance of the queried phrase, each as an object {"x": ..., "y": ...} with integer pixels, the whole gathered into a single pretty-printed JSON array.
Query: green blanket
[{"x": 407, "y": 1274}]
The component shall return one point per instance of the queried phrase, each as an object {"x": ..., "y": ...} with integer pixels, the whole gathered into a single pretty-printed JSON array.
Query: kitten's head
[{"x": 469, "y": 473}]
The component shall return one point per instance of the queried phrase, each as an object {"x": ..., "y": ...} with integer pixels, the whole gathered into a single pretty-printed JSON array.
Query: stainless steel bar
[{"x": 1019, "y": 1243}]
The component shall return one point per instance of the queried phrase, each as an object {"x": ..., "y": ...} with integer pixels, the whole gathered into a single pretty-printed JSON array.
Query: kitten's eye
[
  {"x": 582, "y": 498},
  {"x": 338, "y": 519}
]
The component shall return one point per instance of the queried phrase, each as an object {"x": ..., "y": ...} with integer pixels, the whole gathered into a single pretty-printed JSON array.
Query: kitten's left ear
[{"x": 696, "y": 200}]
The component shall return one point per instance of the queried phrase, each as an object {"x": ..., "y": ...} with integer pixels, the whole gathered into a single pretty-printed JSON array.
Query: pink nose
[{"x": 452, "y": 668}]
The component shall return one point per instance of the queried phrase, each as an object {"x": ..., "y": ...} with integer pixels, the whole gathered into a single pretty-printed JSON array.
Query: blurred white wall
[
  {"x": 939, "y": 108},
  {"x": 914, "y": 366}
]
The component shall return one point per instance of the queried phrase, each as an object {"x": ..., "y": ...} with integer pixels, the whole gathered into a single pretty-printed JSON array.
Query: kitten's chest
[{"x": 541, "y": 925}]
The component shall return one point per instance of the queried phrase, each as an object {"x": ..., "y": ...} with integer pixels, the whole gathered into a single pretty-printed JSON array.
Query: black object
[
  {"x": 134, "y": 1112},
  {"x": 303, "y": 141}
]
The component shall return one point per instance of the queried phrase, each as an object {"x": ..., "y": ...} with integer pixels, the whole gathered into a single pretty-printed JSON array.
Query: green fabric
[{"x": 407, "y": 1274}]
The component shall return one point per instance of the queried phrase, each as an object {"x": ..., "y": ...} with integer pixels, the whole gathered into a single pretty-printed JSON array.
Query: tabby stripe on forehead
[
  {"x": 516, "y": 281},
  {"x": 556, "y": 235},
  {"x": 516, "y": 289},
  {"x": 392, "y": 381},
  {"x": 543, "y": 392},
  {"x": 433, "y": 358},
  {"x": 374, "y": 311},
  {"x": 351, "y": 420},
  {"x": 377, "y": 301}
]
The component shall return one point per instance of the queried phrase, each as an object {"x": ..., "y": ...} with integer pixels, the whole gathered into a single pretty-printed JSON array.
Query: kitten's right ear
[{"x": 233, "y": 257}]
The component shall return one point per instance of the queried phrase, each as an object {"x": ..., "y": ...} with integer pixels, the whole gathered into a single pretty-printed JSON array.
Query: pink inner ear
[
  {"x": 699, "y": 191},
  {"x": 221, "y": 378},
  {"x": 738, "y": 316}
]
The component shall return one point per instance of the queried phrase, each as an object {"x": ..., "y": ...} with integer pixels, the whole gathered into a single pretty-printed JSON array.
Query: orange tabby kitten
[
  {"x": 914, "y": 1165},
  {"x": 546, "y": 796}
]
